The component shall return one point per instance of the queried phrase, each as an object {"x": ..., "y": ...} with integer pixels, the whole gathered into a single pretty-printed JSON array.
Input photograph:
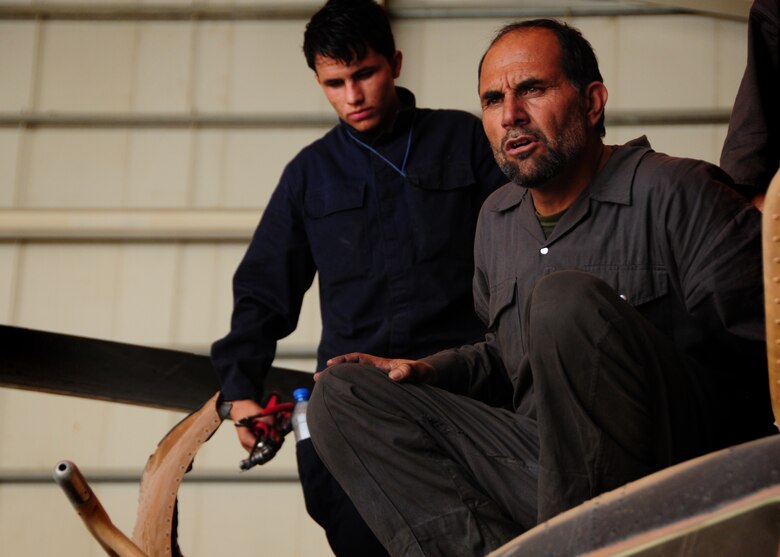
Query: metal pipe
[
  {"x": 92, "y": 513},
  {"x": 669, "y": 117},
  {"x": 174, "y": 12},
  {"x": 128, "y": 224},
  {"x": 165, "y": 121}
]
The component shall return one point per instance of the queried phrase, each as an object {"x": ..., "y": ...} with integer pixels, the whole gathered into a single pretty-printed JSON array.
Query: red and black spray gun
[{"x": 269, "y": 437}]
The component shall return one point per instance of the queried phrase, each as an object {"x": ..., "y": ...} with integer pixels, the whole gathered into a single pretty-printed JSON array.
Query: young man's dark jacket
[
  {"x": 390, "y": 236},
  {"x": 387, "y": 222}
]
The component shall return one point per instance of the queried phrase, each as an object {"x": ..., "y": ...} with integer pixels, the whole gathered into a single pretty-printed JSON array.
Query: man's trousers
[{"x": 436, "y": 473}]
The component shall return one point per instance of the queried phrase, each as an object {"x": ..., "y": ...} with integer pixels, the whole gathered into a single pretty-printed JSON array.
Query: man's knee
[{"x": 334, "y": 389}]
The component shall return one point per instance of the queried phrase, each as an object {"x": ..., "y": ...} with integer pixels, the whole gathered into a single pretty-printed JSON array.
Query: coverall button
[{"x": 544, "y": 250}]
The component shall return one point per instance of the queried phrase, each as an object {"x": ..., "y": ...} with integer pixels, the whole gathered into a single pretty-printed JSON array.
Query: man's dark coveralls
[
  {"x": 630, "y": 339},
  {"x": 391, "y": 238}
]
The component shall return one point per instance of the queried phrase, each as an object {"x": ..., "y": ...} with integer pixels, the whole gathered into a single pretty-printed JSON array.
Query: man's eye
[{"x": 490, "y": 101}]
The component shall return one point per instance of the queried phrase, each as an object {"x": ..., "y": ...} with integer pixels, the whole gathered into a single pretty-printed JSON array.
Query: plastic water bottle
[{"x": 300, "y": 428}]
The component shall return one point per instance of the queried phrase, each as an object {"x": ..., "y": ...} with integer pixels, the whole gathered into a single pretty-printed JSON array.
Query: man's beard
[{"x": 549, "y": 164}]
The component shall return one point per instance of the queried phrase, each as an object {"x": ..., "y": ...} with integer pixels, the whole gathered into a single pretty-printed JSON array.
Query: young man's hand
[
  {"x": 396, "y": 369},
  {"x": 242, "y": 409}
]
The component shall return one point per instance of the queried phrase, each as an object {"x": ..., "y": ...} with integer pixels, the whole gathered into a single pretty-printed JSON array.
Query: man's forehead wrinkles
[{"x": 510, "y": 81}]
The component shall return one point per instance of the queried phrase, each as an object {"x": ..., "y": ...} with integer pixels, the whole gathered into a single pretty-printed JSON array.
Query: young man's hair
[
  {"x": 344, "y": 30},
  {"x": 578, "y": 59}
]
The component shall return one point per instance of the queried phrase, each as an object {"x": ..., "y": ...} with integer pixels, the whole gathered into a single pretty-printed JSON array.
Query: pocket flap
[
  {"x": 501, "y": 297},
  {"x": 637, "y": 285},
  {"x": 442, "y": 177},
  {"x": 334, "y": 197}
]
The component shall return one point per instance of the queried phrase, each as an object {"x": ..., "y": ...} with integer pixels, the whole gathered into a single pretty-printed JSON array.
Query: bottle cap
[{"x": 301, "y": 394}]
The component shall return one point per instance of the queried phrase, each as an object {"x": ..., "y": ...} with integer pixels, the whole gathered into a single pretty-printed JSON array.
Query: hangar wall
[{"x": 147, "y": 115}]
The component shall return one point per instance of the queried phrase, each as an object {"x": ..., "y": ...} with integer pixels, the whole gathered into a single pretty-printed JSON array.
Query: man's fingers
[
  {"x": 246, "y": 438},
  {"x": 400, "y": 372},
  {"x": 353, "y": 357}
]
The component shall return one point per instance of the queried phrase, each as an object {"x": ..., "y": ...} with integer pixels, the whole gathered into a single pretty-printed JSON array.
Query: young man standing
[
  {"x": 623, "y": 293},
  {"x": 383, "y": 208}
]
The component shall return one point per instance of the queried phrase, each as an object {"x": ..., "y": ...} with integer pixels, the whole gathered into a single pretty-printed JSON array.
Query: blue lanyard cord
[{"x": 402, "y": 170}]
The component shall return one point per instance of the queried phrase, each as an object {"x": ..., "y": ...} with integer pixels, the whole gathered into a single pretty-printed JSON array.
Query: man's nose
[
  {"x": 354, "y": 93},
  {"x": 515, "y": 112}
]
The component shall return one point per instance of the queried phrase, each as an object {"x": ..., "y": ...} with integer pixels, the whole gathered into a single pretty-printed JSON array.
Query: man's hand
[
  {"x": 396, "y": 369},
  {"x": 242, "y": 409}
]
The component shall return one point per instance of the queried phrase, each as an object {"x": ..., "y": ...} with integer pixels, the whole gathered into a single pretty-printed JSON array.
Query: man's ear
[
  {"x": 398, "y": 59},
  {"x": 595, "y": 100}
]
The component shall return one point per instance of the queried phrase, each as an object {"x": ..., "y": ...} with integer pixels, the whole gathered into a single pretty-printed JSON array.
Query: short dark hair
[
  {"x": 345, "y": 29},
  {"x": 578, "y": 59}
]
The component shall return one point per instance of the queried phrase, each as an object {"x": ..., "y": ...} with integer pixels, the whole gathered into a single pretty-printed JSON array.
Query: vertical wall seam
[
  {"x": 14, "y": 289},
  {"x": 176, "y": 293},
  {"x": 22, "y": 171},
  {"x": 228, "y": 106},
  {"x": 192, "y": 108},
  {"x": 131, "y": 135}
]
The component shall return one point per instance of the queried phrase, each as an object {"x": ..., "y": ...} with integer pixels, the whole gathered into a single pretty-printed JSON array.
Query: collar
[
  {"x": 612, "y": 184},
  {"x": 616, "y": 180},
  {"x": 399, "y": 126}
]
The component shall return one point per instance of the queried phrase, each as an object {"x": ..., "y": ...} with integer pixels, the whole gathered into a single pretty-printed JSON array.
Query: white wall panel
[
  {"x": 195, "y": 295},
  {"x": 69, "y": 288},
  {"x": 227, "y": 259},
  {"x": 269, "y": 73},
  {"x": 88, "y": 67},
  {"x": 243, "y": 519},
  {"x": 38, "y": 520},
  {"x": 214, "y": 52},
  {"x": 95, "y": 435},
  {"x": 162, "y": 83},
  {"x": 209, "y": 174},
  {"x": 666, "y": 62},
  {"x": 255, "y": 160},
  {"x": 17, "y": 53},
  {"x": 74, "y": 168},
  {"x": 9, "y": 265},
  {"x": 147, "y": 282},
  {"x": 159, "y": 169},
  {"x": 698, "y": 142},
  {"x": 441, "y": 59},
  {"x": 149, "y": 168},
  {"x": 202, "y": 293},
  {"x": 10, "y": 141},
  {"x": 602, "y": 34}
]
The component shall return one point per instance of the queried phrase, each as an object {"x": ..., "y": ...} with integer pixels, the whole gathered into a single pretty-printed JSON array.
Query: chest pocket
[
  {"x": 638, "y": 285},
  {"x": 441, "y": 204},
  {"x": 504, "y": 313},
  {"x": 336, "y": 224}
]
